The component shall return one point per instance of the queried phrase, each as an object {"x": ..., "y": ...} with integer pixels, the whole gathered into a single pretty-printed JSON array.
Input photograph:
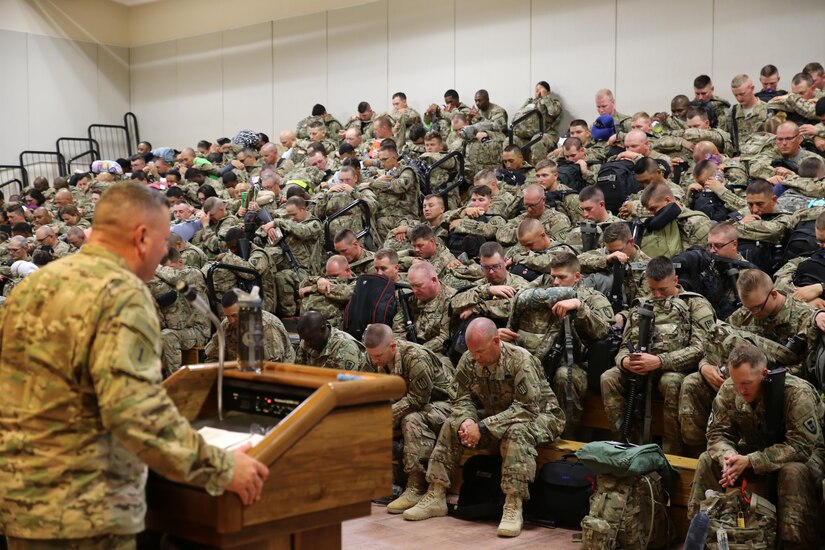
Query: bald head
[
  {"x": 481, "y": 329},
  {"x": 704, "y": 148},
  {"x": 377, "y": 335}
]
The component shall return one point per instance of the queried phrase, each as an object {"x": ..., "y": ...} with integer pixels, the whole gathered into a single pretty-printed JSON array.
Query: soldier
[
  {"x": 575, "y": 153},
  {"x": 494, "y": 297},
  {"x": 428, "y": 308},
  {"x": 769, "y": 78},
  {"x": 325, "y": 346},
  {"x": 396, "y": 190},
  {"x": 423, "y": 409},
  {"x": 591, "y": 202},
  {"x": 517, "y": 172},
  {"x": 481, "y": 148},
  {"x": 680, "y": 144},
  {"x": 606, "y": 105},
  {"x": 592, "y": 321},
  {"x": 47, "y": 240},
  {"x": 216, "y": 222},
  {"x": 506, "y": 383},
  {"x": 191, "y": 254},
  {"x": 502, "y": 199},
  {"x": 472, "y": 223},
  {"x": 433, "y": 216},
  {"x": 637, "y": 146},
  {"x": 487, "y": 117},
  {"x": 256, "y": 259},
  {"x": 404, "y": 117},
  {"x": 342, "y": 194},
  {"x": 703, "y": 93},
  {"x": 558, "y": 195},
  {"x": 671, "y": 228},
  {"x": 277, "y": 346},
  {"x": 437, "y": 119},
  {"x": 769, "y": 164},
  {"x": 800, "y": 104},
  {"x": 681, "y": 324},
  {"x": 549, "y": 108},
  {"x": 362, "y": 120},
  {"x": 348, "y": 245},
  {"x": 96, "y": 303},
  {"x": 749, "y": 114},
  {"x": 182, "y": 327},
  {"x": 329, "y": 295},
  {"x": 555, "y": 223},
  {"x": 767, "y": 312},
  {"x": 448, "y": 268},
  {"x": 807, "y": 186},
  {"x": 737, "y": 444},
  {"x": 302, "y": 237},
  {"x": 806, "y": 284},
  {"x": 332, "y": 127}
]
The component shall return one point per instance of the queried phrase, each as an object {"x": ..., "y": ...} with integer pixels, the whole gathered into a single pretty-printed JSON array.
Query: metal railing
[
  {"x": 79, "y": 153},
  {"x": 47, "y": 164},
  {"x": 13, "y": 179},
  {"x": 537, "y": 138}
]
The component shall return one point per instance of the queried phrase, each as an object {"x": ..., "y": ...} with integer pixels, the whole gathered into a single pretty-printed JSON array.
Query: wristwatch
[{"x": 481, "y": 427}]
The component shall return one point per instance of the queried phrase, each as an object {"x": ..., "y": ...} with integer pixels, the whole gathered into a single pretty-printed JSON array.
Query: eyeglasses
[
  {"x": 759, "y": 309},
  {"x": 782, "y": 139},
  {"x": 714, "y": 246},
  {"x": 532, "y": 205},
  {"x": 491, "y": 268}
]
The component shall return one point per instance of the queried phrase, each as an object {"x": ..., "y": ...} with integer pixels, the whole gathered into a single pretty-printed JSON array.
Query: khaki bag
[{"x": 723, "y": 510}]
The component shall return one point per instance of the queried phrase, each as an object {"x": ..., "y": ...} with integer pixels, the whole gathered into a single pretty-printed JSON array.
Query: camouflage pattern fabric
[{"x": 341, "y": 351}]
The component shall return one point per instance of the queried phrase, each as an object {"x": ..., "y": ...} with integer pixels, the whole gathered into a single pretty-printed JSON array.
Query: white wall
[
  {"x": 268, "y": 76},
  {"x": 55, "y": 87}
]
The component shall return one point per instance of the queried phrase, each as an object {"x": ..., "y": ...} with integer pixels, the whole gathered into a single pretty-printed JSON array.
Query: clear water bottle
[
  {"x": 722, "y": 538},
  {"x": 250, "y": 330}
]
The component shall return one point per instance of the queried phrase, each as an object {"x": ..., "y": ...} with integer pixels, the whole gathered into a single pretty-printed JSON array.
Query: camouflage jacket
[
  {"x": 480, "y": 301},
  {"x": 748, "y": 121},
  {"x": 84, "y": 411},
  {"x": 277, "y": 346},
  {"x": 431, "y": 320},
  {"x": 341, "y": 351},
  {"x": 555, "y": 224}
]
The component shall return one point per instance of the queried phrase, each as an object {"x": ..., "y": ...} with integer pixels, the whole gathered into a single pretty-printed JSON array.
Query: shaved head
[{"x": 377, "y": 335}]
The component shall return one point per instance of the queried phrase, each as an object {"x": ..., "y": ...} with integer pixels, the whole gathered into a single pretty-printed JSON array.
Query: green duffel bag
[{"x": 626, "y": 460}]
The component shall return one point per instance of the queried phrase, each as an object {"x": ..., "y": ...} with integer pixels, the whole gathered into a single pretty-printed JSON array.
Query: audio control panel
[{"x": 273, "y": 400}]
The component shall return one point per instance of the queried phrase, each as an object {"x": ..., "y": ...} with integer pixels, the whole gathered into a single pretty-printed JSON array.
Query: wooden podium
[{"x": 328, "y": 457}]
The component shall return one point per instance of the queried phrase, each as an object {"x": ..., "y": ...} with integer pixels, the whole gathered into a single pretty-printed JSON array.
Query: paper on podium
[{"x": 228, "y": 440}]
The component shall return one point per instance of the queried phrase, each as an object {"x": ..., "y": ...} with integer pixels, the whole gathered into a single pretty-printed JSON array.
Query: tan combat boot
[
  {"x": 416, "y": 485},
  {"x": 432, "y": 505},
  {"x": 511, "y": 521}
]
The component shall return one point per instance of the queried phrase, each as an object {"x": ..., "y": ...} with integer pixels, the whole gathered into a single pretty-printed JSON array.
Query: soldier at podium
[{"x": 83, "y": 411}]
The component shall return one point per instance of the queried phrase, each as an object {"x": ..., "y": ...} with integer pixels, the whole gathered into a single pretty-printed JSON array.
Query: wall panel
[
  {"x": 200, "y": 90},
  {"x": 112, "y": 83},
  {"x": 154, "y": 92},
  {"x": 247, "y": 79},
  {"x": 14, "y": 96}
]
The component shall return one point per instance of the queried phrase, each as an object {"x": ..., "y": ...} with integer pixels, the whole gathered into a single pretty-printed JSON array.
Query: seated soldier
[
  {"x": 386, "y": 264},
  {"x": 325, "y": 346},
  {"x": 517, "y": 173},
  {"x": 301, "y": 236},
  {"x": 432, "y": 213},
  {"x": 481, "y": 149},
  {"x": 558, "y": 195},
  {"x": 182, "y": 326},
  {"x": 216, "y": 221},
  {"x": 437, "y": 119},
  {"x": 445, "y": 174},
  {"x": 340, "y": 195},
  {"x": 804, "y": 277},
  {"x": 804, "y": 188},
  {"x": 737, "y": 448},
  {"x": 46, "y": 238},
  {"x": 347, "y": 245},
  {"x": 250, "y": 256},
  {"x": 535, "y": 251},
  {"x": 591, "y": 321},
  {"x": 637, "y": 147},
  {"x": 191, "y": 254},
  {"x": 449, "y": 269},
  {"x": 76, "y": 237},
  {"x": 504, "y": 382},
  {"x": 414, "y": 143},
  {"x": 671, "y": 228},
  {"x": 591, "y": 201},
  {"x": 709, "y": 192},
  {"x": 676, "y": 119},
  {"x": 472, "y": 225},
  {"x": 329, "y": 295},
  {"x": 681, "y": 143},
  {"x": 619, "y": 249},
  {"x": 429, "y": 315},
  {"x": 423, "y": 409},
  {"x": 648, "y": 172},
  {"x": 769, "y": 78},
  {"x": 799, "y": 105},
  {"x": 404, "y": 117},
  {"x": 503, "y": 200},
  {"x": 781, "y": 161},
  {"x": 703, "y": 90},
  {"x": 749, "y": 113},
  {"x": 787, "y": 321},
  {"x": 680, "y": 326},
  {"x": 396, "y": 190},
  {"x": 277, "y": 346},
  {"x": 555, "y": 223},
  {"x": 492, "y": 298}
]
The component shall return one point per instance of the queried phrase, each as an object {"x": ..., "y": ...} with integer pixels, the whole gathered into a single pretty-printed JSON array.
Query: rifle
[
  {"x": 640, "y": 383},
  {"x": 567, "y": 328},
  {"x": 773, "y": 388},
  {"x": 290, "y": 257},
  {"x": 734, "y": 132},
  {"x": 617, "y": 288},
  {"x": 589, "y": 234},
  {"x": 409, "y": 327}
]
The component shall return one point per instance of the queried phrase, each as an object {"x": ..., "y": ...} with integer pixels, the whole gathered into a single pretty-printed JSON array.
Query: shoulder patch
[
  {"x": 421, "y": 383},
  {"x": 522, "y": 388},
  {"x": 810, "y": 425}
]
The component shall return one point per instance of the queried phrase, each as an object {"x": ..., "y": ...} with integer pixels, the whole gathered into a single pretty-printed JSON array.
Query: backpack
[
  {"x": 627, "y": 513},
  {"x": 802, "y": 241},
  {"x": 709, "y": 203},
  {"x": 705, "y": 104},
  {"x": 601, "y": 357},
  {"x": 701, "y": 272},
  {"x": 480, "y": 496},
  {"x": 617, "y": 180},
  {"x": 811, "y": 271},
  {"x": 560, "y": 495},
  {"x": 570, "y": 174},
  {"x": 765, "y": 256},
  {"x": 723, "y": 509},
  {"x": 528, "y": 127},
  {"x": 373, "y": 301}
]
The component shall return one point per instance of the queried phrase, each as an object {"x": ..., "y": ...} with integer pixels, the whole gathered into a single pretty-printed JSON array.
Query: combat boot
[
  {"x": 432, "y": 505},
  {"x": 511, "y": 520},
  {"x": 416, "y": 485}
]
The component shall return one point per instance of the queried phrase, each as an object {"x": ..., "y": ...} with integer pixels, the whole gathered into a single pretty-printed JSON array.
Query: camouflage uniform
[
  {"x": 760, "y": 165},
  {"x": 736, "y": 427},
  {"x": 530, "y": 315},
  {"x": 503, "y": 203},
  {"x": 492, "y": 119},
  {"x": 259, "y": 261},
  {"x": 566, "y": 201},
  {"x": 767, "y": 231},
  {"x": 672, "y": 144},
  {"x": 61, "y": 250},
  {"x": 574, "y": 237},
  {"x": 794, "y": 318},
  {"x": 365, "y": 127},
  {"x": 595, "y": 263},
  {"x": 555, "y": 224},
  {"x": 210, "y": 239},
  {"x": 697, "y": 395},
  {"x": 364, "y": 263},
  {"x": 397, "y": 199},
  {"x": 193, "y": 256},
  {"x": 83, "y": 412},
  {"x": 330, "y": 305},
  {"x": 327, "y": 204},
  {"x": 550, "y": 110},
  {"x": 341, "y": 351},
  {"x": 749, "y": 121},
  {"x": 522, "y": 413},
  {"x": 431, "y": 320},
  {"x": 332, "y": 124},
  {"x": 692, "y": 229},
  {"x": 402, "y": 122},
  {"x": 277, "y": 346},
  {"x": 800, "y": 192},
  {"x": 798, "y": 105},
  {"x": 680, "y": 330},
  {"x": 479, "y": 300},
  {"x": 182, "y": 326},
  {"x": 455, "y": 277},
  {"x": 304, "y": 240}
]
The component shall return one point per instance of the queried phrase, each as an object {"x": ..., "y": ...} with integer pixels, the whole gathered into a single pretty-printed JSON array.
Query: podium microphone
[{"x": 198, "y": 303}]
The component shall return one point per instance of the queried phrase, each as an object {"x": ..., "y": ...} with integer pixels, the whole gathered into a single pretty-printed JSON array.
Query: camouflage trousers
[
  {"x": 614, "y": 384},
  {"x": 385, "y": 222},
  {"x": 287, "y": 282},
  {"x": 175, "y": 341},
  {"x": 420, "y": 430},
  {"x": 797, "y": 488},
  {"x": 101, "y": 542},
  {"x": 517, "y": 448},
  {"x": 695, "y": 402},
  {"x": 540, "y": 149},
  {"x": 579, "y": 389}
]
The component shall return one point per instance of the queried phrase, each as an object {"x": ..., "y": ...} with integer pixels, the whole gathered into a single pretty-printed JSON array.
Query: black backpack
[
  {"x": 765, "y": 256},
  {"x": 480, "y": 496},
  {"x": 811, "y": 271},
  {"x": 705, "y": 104},
  {"x": 709, "y": 203},
  {"x": 570, "y": 174},
  {"x": 560, "y": 495},
  {"x": 467, "y": 243},
  {"x": 701, "y": 272},
  {"x": 601, "y": 357},
  {"x": 373, "y": 301},
  {"x": 802, "y": 241},
  {"x": 617, "y": 180}
]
